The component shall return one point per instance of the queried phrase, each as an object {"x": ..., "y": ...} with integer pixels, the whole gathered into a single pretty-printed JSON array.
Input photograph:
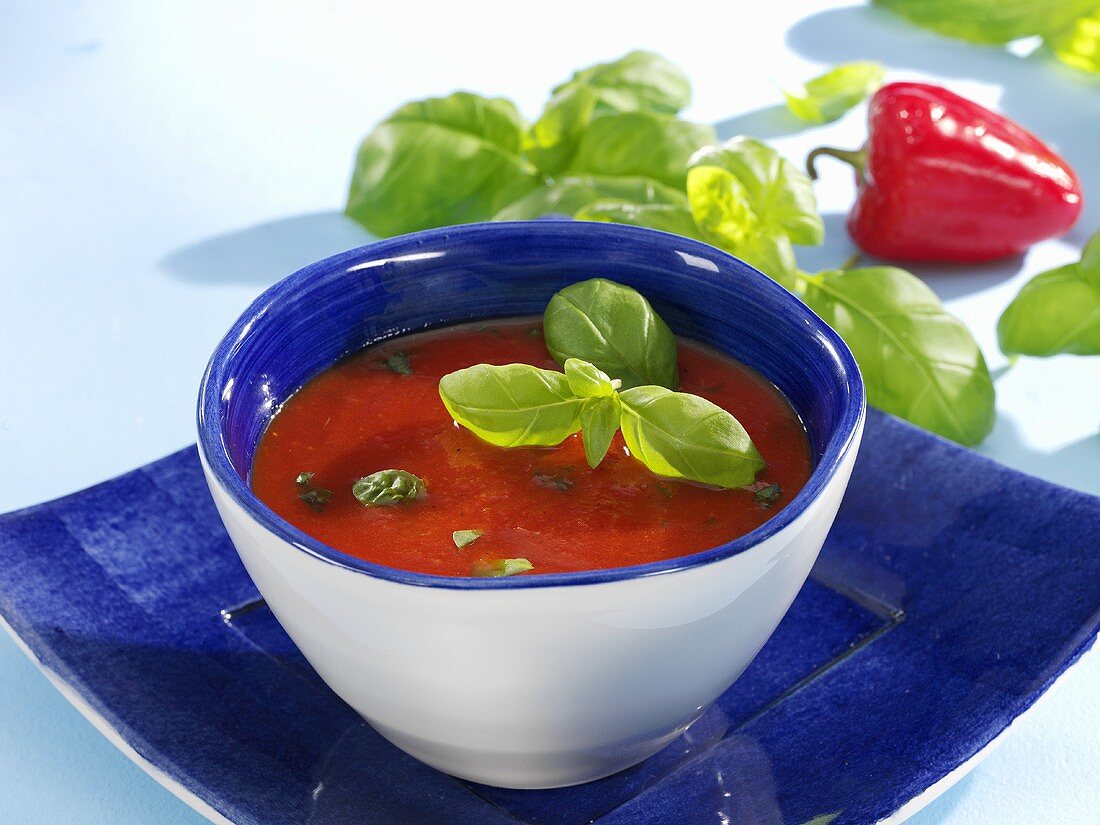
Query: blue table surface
[{"x": 162, "y": 164}]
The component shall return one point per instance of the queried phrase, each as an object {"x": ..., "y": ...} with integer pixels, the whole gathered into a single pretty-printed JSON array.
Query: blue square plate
[{"x": 950, "y": 594}]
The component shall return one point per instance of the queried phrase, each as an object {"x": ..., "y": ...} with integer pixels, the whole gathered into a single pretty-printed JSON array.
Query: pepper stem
[{"x": 856, "y": 158}]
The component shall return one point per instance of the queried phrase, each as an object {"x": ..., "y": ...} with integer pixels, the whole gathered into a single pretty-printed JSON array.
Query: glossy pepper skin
[{"x": 944, "y": 179}]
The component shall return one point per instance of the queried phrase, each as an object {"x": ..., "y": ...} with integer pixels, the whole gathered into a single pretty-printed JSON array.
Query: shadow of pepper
[{"x": 264, "y": 253}]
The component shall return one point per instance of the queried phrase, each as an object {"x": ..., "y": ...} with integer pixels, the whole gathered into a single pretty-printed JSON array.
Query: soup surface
[{"x": 380, "y": 409}]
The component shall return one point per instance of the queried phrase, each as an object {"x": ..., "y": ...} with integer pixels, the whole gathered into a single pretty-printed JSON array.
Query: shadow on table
[
  {"x": 1041, "y": 93},
  {"x": 765, "y": 124},
  {"x": 945, "y": 279},
  {"x": 264, "y": 253}
]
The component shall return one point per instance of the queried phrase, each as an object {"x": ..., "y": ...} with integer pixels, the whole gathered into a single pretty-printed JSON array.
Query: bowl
[{"x": 544, "y": 680}]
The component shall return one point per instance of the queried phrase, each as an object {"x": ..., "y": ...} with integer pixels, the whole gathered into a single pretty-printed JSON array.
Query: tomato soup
[{"x": 380, "y": 409}]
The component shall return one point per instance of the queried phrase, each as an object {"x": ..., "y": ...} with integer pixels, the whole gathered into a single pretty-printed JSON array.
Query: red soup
[{"x": 380, "y": 409}]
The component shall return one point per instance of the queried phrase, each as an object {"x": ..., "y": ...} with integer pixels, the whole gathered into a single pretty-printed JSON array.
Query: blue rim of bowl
[{"x": 213, "y": 448}]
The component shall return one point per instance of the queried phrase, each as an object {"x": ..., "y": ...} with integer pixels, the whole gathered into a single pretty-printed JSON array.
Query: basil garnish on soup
[
  {"x": 388, "y": 487},
  {"x": 595, "y": 440},
  {"x": 316, "y": 497},
  {"x": 674, "y": 434}
]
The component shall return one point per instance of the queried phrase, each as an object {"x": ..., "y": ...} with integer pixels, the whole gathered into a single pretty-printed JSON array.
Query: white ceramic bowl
[{"x": 533, "y": 681}]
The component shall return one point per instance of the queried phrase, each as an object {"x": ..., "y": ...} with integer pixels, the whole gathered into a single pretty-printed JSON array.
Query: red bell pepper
[{"x": 944, "y": 179}]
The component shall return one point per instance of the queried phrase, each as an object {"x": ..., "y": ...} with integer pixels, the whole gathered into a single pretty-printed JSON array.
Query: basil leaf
[
  {"x": 555, "y": 134},
  {"x": 315, "y": 497},
  {"x": 990, "y": 21},
  {"x": 771, "y": 252},
  {"x": 744, "y": 187},
  {"x": 639, "y": 144},
  {"x": 614, "y": 328},
  {"x": 464, "y": 538},
  {"x": 684, "y": 436},
  {"x": 599, "y": 423},
  {"x": 638, "y": 81},
  {"x": 1056, "y": 311},
  {"x": 918, "y": 362},
  {"x": 512, "y": 406},
  {"x": 497, "y": 568},
  {"x": 764, "y": 495},
  {"x": 828, "y": 96},
  {"x": 674, "y": 218},
  {"x": 1078, "y": 44},
  {"x": 588, "y": 381},
  {"x": 440, "y": 161},
  {"x": 388, "y": 487},
  {"x": 569, "y": 195},
  {"x": 720, "y": 205},
  {"x": 399, "y": 363}
]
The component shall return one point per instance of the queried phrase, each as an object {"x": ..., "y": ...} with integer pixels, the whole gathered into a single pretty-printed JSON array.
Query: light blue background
[{"x": 160, "y": 165}]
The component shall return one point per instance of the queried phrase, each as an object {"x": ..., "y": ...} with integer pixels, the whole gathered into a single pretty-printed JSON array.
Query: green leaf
[
  {"x": 514, "y": 405},
  {"x": 614, "y": 328},
  {"x": 720, "y": 205},
  {"x": 765, "y": 495},
  {"x": 1078, "y": 44},
  {"x": 588, "y": 381},
  {"x": 497, "y": 568},
  {"x": 828, "y": 96},
  {"x": 918, "y": 362},
  {"x": 399, "y": 363},
  {"x": 639, "y": 144},
  {"x": 388, "y": 487},
  {"x": 599, "y": 423},
  {"x": 745, "y": 187},
  {"x": 990, "y": 21},
  {"x": 315, "y": 497},
  {"x": 638, "y": 81},
  {"x": 567, "y": 196},
  {"x": 674, "y": 218},
  {"x": 555, "y": 134},
  {"x": 684, "y": 436},
  {"x": 438, "y": 162},
  {"x": 464, "y": 538},
  {"x": 771, "y": 252},
  {"x": 1057, "y": 311}
]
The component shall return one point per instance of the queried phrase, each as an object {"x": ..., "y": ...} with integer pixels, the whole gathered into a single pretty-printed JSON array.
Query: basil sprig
[
  {"x": 1057, "y": 311},
  {"x": 609, "y": 146},
  {"x": 674, "y": 434},
  {"x": 749, "y": 200}
]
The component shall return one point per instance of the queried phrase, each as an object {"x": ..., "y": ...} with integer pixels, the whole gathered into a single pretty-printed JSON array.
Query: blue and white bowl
[{"x": 545, "y": 680}]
